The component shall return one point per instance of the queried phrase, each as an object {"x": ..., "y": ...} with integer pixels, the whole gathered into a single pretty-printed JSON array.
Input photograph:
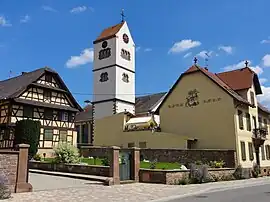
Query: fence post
[
  {"x": 135, "y": 164},
  {"x": 114, "y": 164},
  {"x": 22, "y": 184}
]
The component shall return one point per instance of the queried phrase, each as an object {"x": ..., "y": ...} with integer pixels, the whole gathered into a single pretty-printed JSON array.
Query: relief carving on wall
[{"x": 192, "y": 99}]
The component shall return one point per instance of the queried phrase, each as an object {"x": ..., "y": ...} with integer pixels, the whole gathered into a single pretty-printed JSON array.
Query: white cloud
[
  {"x": 266, "y": 60},
  {"x": 48, "y": 8},
  {"x": 227, "y": 49},
  {"x": 25, "y": 19},
  {"x": 147, "y": 49},
  {"x": 205, "y": 54},
  {"x": 184, "y": 45},
  {"x": 138, "y": 48},
  {"x": 86, "y": 56},
  {"x": 257, "y": 69},
  {"x": 263, "y": 80},
  {"x": 78, "y": 9},
  {"x": 266, "y": 40},
  {"x": 265, "y": 97},
  {"x": 187, "y": 55},
  {"x": 4, "y": 22}
]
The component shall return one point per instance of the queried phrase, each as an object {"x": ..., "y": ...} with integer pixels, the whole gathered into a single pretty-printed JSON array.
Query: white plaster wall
[
  {"x": 103, "y": 109},
  {"x": 130, "y": 46},
  {"x": 125, "y": 91},
  {"x": 107, "y": 61},
  {"x": 122, "y": 106},
  {"x": 104, "y": 90}
]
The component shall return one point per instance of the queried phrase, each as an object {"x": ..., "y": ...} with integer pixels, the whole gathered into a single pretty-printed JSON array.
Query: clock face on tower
[
  {"x": 104, "y": 44},
  {"x": 125, "y": 38}
]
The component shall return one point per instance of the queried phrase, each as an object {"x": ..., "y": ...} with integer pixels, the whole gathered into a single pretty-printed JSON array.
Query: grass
[{"x": 146, "y": 165}]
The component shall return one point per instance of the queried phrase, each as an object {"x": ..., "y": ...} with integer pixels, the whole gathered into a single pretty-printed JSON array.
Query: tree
[{"x": 28, "y": 132}]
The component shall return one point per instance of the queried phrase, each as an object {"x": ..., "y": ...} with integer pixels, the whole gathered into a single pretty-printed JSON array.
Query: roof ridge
[{"x": 233, "y": 70}]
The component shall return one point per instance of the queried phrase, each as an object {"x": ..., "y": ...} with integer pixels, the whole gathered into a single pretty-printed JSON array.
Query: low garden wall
[
  {"x": 174, "y": 176},
  {"x": 71, "y": 168},
  {"x": 186, "y": 156},
  {"x": 13, "y": 165}
]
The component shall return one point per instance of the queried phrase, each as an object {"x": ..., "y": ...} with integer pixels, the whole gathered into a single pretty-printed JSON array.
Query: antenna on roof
[
  {"x": 10, "y": 74},
  {"x": 206, "y": 59},
  {"x": 122, "y": 15}
]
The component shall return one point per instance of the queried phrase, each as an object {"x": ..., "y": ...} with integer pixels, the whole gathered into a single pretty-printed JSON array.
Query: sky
[{"x": 167, "y": 34}]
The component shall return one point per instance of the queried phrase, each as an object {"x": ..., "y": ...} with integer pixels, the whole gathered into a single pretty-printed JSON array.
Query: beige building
[
  {"x": 202, "y": 110},
  {"x": 39, "y": 95}
]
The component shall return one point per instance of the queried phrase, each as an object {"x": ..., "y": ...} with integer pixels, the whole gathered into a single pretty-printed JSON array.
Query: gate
[{"x": 124, "y": 165}]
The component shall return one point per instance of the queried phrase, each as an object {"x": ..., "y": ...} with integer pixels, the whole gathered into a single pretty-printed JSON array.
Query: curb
[{"x": 81, "y": 177}]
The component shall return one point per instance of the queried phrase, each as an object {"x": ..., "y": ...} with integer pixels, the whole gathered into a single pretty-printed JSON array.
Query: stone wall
[
  {"x": 173, "y": 176},
  {"x": 14, "y": 165},
  {"x": 71, "y": 168},
  {"x": 185, "y": 156},
  {"x": 8, "y": 166}
]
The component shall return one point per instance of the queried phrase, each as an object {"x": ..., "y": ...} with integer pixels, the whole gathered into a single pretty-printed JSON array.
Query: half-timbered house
[{"x": 39, "y": 95}]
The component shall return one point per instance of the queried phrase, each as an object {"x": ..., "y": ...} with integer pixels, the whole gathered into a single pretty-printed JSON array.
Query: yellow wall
[
  {"x": 246, "y": 136},
  {"x": 109, "y": 131},
  {"x": 211, "y": 123}
]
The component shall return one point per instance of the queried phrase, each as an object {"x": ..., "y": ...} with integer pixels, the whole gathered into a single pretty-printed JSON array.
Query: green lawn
[{"x": 159, "y": 165}]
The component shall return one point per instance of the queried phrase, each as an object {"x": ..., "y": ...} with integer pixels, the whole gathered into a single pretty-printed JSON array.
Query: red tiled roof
[
  {"x": 238, "y": 79},
  {"x": 109, "y": 32}
]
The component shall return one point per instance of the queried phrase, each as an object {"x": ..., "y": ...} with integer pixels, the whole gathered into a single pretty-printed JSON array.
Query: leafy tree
[{"x": 28, "y": 132}]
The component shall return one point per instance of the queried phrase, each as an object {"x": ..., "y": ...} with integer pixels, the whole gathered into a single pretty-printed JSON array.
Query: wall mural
[{"x": 192, "y": 100}]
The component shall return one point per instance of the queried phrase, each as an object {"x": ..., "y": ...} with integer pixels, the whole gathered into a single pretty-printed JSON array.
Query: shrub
[
  {"x": 66, "y": 153},
  {"x": 199, "y": 174},
  {"x": 105, "y": 161},
  {"x": 241, "y": 173},
  {"x": 5, "y": 192},
  {"x": 27, "y": 132},
  {"x": 255, "y": 170},
  {"x": 37, "y": 157},
  {"x": 217, "y": 164}
]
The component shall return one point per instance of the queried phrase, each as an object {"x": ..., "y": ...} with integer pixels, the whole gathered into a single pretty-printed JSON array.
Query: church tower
[{"x": 114, "y": 72}]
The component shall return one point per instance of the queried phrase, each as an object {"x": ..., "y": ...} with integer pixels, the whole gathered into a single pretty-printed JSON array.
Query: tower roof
[{"x": 109, "y": 32}]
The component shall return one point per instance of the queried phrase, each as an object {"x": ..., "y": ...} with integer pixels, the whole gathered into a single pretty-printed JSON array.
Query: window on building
[
  {"x": 240, "y": 119},
  {"x": 260, "y": 121},
  {"x": 48, "y": 114},
  {"x": 248, "y": 121},
  {"x": 252, "y": 98},
  {"x": 64, "y": 116},
  {"x": 263, "y": 152},
  {"x": 142, "y": 144},
  {"x": 48, "y": 134},
  {"x": 63, "y": 136},
  {"x": 254, "y": 122},
  {"x": 48, "y": 78},
  {"x": 27, "y": 111},
  {"x": 250, "y": 149},
  {"x": 47, "y": 94},
  {"x": 131, "y": 144},
  {"x": 243, "y": 151},
  {"x": 267, "y": 151}
]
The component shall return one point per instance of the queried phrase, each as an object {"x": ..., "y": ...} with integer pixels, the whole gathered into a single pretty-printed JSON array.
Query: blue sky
[{"x": 168, "y": 34}]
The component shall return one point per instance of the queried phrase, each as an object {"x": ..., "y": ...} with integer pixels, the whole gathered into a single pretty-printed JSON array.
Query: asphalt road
[{"x": 260, "y": 193}]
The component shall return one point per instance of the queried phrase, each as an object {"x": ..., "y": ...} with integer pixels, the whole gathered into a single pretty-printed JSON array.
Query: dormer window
[
  {"x": 252, "y": 98},
  {"x": 48, "y": 78}
]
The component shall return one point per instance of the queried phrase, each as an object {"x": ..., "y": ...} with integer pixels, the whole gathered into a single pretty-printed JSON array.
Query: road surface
[
  {"x": 48, "y": 182},
  {"x": 260, "y": 193}
]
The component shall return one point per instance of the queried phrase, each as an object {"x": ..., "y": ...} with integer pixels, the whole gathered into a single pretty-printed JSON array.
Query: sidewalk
[{"x": 131, "y": 192}]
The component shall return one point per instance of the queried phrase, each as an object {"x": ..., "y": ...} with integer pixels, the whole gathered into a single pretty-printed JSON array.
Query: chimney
[{"x": 206, "y": 68}]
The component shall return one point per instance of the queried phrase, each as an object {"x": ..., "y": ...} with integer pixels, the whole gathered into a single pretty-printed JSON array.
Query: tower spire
[{"x": 122, "y": 15}]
